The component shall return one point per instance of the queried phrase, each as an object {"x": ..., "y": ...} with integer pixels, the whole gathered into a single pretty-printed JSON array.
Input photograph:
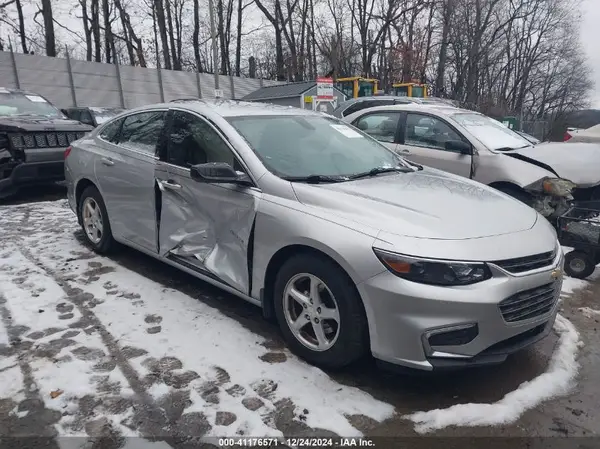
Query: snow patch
[
  {"x": 570, "y": 285},
  {"x": 11, "y": 379},
  {"x": 589, "y": 312},
  {"x": 4, "y": 341},
  {"x": 556, "y": 381},
  {"x": 214, "y": 351}
]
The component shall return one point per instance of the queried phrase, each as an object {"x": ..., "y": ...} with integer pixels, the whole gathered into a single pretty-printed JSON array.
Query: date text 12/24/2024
[{"x": 295, "y": 442}]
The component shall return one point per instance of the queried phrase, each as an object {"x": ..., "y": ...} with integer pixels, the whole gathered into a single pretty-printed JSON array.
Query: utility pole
[{"x": 214, "y": 44}]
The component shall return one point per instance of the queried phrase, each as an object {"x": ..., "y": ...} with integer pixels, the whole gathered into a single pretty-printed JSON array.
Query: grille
[
  {"x": 44, "y": 140},
  {"x": 529, "y": 303},
  {"x": 522, "y": 264}
]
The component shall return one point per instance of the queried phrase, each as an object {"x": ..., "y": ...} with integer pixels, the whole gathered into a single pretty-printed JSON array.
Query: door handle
[
  {"x": 170, "y": 185},
  {"x": 107, "y": 161},
  {"x": 404, "y": 151}
]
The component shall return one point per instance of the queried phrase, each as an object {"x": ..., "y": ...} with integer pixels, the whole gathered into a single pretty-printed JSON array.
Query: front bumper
[
  {"x": 30, "y": 173},
  {"x": 35, "y": 166},
  {"x": 404, "y": 315}
]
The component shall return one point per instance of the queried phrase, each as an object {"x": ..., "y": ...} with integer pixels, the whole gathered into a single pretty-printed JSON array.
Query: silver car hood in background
[
  {"x": 425, "y": 204},
  {"x": 577, "y": 162}
]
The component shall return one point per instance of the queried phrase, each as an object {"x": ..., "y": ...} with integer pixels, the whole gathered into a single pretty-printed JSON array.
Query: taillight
[
  {"x": 567, "y": 137},
  {"x": 68, "y": 151}
]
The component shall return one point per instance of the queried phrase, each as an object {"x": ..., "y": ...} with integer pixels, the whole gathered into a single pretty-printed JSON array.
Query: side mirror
[
  {"x": 458, "y": 146},
  {"x": 218, "y": 173}
]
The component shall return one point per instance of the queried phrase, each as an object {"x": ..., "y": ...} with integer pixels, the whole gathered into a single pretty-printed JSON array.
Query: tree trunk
[
  {"x": 277, "y": 25},
  {"x": 131, "y": 37},
  {"x": 49, "y": 28},
  {"x": 279, "y": 61},
  {"x": 312, "y": 38},
  {"x": 238, "y": 41},
  {"x": 87, "y": 30},
  {"x": 108, "y": 38},
  {"x": 22, "y": 32},
  {"x": 159, "y": 16},
  {"x": 176, "y": 63},
  {"x": 221, "y": 34},
  {"x": 95, "y": 24},
  {"x": 127, "y": 38},
  {"x": 441, "y": 68},
  {"x": 195, "y": 35}
]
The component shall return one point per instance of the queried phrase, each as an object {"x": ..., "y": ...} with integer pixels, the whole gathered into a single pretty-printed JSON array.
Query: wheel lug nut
[
  {"x": 305, "y": 306},
  {"x": 311, "y": 301},
  {"x": 318, "y": 310},
  {"x": 316, "y": 320},
  {"x": 307, "y": 317}
]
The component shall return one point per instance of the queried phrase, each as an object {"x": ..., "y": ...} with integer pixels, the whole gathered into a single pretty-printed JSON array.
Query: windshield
[
  {"x": 301, "y": 146},
  {"x": 16, "y": 103},
  {"x": 490, "y": 132}
]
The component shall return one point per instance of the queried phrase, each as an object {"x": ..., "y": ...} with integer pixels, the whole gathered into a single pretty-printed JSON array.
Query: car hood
[
  {"x": 425, "y": 204},
  {"x": 577, "y": 162},
  {"x": 40, "y": 123}
]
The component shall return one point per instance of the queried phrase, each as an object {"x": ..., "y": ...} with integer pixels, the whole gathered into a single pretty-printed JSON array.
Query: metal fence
[{"x": 69, "y": 82}]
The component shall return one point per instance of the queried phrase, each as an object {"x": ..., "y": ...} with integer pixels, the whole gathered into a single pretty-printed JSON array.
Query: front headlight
[
  {"x": 553, "y": 186},
  {"x": 433, "y": 272}
]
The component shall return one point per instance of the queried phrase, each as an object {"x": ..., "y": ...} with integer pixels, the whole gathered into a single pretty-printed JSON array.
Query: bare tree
[
  {"x": 50, "y": 39},
  {"x": 159, "y": 22},
  {"x": 275, "y": 15}
]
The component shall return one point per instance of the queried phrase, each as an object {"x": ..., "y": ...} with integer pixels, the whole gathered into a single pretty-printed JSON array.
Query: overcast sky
[{"x": 590, "y": 36}]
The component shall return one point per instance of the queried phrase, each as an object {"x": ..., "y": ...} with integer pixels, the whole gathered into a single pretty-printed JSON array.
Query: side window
[
  {"x": 429, "y": 132},
  {"x": 73, "y": 114},
  {"x": 140, "y": 132},
  {"x": 380, "y": 125},
  {"x": 86, "y": 117},
  {"x": 110, "y": 132},
  {"x": 193, "y": 141}
]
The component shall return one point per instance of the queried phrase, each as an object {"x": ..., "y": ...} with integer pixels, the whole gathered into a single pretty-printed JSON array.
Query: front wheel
[
  {"x": 579, "y": 264},
  {"x": 320, "y": 312},
  {"x": 94, "y": 220}
]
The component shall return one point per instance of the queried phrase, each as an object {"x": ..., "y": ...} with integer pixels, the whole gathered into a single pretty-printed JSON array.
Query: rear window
[{"x": 110, "y": 132}]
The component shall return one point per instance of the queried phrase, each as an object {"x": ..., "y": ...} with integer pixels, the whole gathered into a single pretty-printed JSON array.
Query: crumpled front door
[{"x": 207, "y": 226}]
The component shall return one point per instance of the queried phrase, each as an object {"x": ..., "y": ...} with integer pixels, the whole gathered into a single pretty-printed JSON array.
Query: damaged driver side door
[{"x": 203, "y": 226}]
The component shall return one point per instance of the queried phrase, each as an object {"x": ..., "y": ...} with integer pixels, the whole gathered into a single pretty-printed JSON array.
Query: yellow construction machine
[{"x": 356, "y": 86}]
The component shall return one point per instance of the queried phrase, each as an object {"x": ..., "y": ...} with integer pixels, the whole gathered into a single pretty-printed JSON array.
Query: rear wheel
[
  {"x": 320, "y": 312},
  {"x": 579, "y": 264},
  {"x": 94, "y": 220}
]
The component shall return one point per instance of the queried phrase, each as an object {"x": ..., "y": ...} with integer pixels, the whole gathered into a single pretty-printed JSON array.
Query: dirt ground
[{"x": 574, "y": 415}]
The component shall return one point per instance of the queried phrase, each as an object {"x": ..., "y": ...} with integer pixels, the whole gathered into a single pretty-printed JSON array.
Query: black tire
[
  {"x": 579, "y": 264},
  {"x": 353, "y": 340},
  {"x": 106, "y": 243}
]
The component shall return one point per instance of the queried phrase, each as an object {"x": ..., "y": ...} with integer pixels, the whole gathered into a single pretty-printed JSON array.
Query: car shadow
[
  {"x": 408, "y": 391},
  {"x": 36, "y": 194}
]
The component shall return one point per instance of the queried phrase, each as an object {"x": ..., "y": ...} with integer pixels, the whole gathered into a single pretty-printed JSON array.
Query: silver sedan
[{"x": 351, "y": 248}]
